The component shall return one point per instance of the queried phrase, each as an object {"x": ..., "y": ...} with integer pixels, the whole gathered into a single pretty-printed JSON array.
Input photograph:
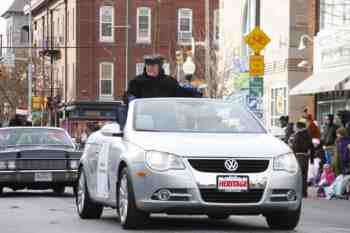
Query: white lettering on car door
[{"x": 102, "y": 172}]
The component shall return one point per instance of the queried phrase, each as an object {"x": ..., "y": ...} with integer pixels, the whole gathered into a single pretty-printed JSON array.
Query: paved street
[{"x": 43, "y": 212}]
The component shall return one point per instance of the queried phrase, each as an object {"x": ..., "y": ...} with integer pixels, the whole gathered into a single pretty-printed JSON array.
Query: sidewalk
[{"x": 312, "y": 194}]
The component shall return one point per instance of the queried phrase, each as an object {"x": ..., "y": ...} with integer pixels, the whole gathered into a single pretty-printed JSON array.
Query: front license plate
[
  {"x": 43, "y": 176},
  {"x": 233, "y": 183}
]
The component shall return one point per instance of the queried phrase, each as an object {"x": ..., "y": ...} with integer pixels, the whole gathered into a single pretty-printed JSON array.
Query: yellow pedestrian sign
[
  {"x": 256, "y": 65},
  {"x": 257, "y": 40}
]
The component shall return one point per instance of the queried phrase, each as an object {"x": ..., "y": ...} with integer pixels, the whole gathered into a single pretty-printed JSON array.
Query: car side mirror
[{"x": 112, "y": 130}]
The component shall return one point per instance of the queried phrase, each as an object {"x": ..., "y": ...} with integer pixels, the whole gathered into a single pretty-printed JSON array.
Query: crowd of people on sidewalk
[{"x": 322, "y": 152}]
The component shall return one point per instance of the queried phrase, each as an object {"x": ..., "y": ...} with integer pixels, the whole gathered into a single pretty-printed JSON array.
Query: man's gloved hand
[{"x": 131, "y": 98}]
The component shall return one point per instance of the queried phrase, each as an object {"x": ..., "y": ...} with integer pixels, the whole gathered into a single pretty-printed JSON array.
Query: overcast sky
[{"x": 5, "y": 4}]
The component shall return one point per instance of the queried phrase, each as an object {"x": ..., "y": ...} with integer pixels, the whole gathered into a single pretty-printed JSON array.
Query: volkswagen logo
[{"x": 231, "y": 165}]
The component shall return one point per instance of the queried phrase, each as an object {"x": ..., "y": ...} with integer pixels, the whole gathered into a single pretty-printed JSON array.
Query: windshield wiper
[
  {"x": 149, "y": 130},
  {"x": 58, "y": 145},
  {"x": 19, "y": 145}
]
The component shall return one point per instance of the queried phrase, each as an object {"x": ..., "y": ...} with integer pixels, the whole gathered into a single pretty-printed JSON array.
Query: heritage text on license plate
[{"x": 233, "y": 183}]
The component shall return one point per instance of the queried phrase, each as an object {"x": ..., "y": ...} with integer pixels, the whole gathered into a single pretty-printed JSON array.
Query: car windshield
[
  {"x": 194, "y": 116},
  {"x": 11, "y": 137}
]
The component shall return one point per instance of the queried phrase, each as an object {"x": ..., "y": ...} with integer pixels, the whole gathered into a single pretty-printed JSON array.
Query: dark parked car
[{"x": 37, "y": 158}]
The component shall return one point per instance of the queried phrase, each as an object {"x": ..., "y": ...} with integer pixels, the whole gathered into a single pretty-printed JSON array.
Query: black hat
[{"x": 154, "y": 60}]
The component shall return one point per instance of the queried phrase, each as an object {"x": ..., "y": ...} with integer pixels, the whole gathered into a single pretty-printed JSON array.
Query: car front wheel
[
  {"x": 1, "y": 190},
  {"x": 87, "y": 209},
  {"x": 283, "y": 220},
  {"x": 130, "y": 216}
]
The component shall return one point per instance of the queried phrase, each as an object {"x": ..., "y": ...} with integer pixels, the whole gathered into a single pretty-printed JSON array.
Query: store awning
[{"x": 324, "y": 81}]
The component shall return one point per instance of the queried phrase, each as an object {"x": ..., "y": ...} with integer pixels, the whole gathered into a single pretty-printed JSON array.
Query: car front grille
[
  {"x": 41, "y": 164},
  {"x": 213, "y": 195},
  {"x": 218, "y": 165}
]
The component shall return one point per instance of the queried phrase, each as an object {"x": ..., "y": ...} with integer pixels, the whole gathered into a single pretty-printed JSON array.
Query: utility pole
[
  {"x": 127, "y": 45},
  {"x": 257, "y": 13},
  {"x": 207, "y": 46},
  {"x": 30, "y": 63}
]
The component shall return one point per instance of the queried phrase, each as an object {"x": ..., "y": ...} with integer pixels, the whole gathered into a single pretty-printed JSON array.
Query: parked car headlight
[
  {"x": 161, "y": 161},
  {"x": 11, "y": 165},
  {"x": 73, "y": 164},
  {"x": 3, "y": 165},
  {"x": 286, "y": 162}
]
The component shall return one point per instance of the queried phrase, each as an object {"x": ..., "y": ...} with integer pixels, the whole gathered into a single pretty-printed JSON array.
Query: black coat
[
  {"x": 329, "y": 135},
  {"x": 144, "y": 86},
  {"x": 302, "y": 143}
]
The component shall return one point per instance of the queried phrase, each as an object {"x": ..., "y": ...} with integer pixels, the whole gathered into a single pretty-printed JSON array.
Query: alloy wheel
[
  {"x": 123, "y": 198},
  {"x": 81, "y": 193}
]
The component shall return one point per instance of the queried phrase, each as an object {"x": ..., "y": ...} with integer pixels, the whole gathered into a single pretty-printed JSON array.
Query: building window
[
  {"x": 216, "y": 24},
  {"x": 166, "y": 68},
  {"x": 143, "y": 25},
  {"x": 106, "y": 79},
  {"x": 107, "y": 24},
  {"x": 25, "y": 34},
  {"x": 334, "y": 13},
  {"x": 139, "y": 68},
  {"x": 184, "y": 25},
  {"x": 279, "y": 104}
]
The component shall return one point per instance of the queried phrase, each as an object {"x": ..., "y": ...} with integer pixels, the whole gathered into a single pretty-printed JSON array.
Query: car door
[
  {"x": 116, "y": 150},
  {"x": 92, "y": 150}
]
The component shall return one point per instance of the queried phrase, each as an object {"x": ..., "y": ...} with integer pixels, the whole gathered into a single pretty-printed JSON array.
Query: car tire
[
  {"x": 219, "y": 216},
  {"x": 1, "y": 190},
  {"x": 130, "y": 217},
  {"x": 283, "y": 220},
  {"x": 87, "y": 209},
  {"x": 59, "y": 190}
]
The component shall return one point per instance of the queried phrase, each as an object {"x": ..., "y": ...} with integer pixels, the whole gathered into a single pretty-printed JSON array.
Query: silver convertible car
[{"x": 189, "y": 156}]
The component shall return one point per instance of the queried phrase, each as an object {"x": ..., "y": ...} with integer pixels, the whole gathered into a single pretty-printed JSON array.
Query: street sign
[
  {"x": 255, "y": 98},
  {"x": 39, "y": 102},
  {"x": 257, "y": 40},
  {"x": 256, "y": 65}
]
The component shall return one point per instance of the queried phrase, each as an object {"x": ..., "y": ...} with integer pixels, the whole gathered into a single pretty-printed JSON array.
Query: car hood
[{"x": 211, "y": 145}]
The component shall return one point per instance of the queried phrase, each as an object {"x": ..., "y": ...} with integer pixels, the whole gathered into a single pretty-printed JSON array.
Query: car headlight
[
  {"x": 73, "y": 164},
  {"x": 286, "y": 162},
  {"x": 11, "y": 165},
  {"x": 3, "y": 165},
  {"x": 161, "y": 161}
]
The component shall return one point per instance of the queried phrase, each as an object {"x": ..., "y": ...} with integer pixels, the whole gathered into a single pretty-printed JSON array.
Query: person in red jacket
[{"x": 312, "y": 128}]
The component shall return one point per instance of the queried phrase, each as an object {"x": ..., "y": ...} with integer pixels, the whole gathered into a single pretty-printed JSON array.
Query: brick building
[{"x": 92, "y": 48}]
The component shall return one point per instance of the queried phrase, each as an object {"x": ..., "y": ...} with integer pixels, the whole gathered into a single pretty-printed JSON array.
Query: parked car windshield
[
  {"x": 194, "y": 116},
  {"x": 10, "y": 137}
]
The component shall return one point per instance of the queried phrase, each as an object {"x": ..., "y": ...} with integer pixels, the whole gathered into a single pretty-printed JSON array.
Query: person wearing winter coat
[
  {"x": 287, "y": 127},
  {"x": 326, "y": 180},
  {"x": 301, "y": 144},
  {"x": 329, "y": 134},
  {"x": 343, "y": 141},
  {"x": 312, "y": 128},
  {"x": 153, "y": 82}
]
